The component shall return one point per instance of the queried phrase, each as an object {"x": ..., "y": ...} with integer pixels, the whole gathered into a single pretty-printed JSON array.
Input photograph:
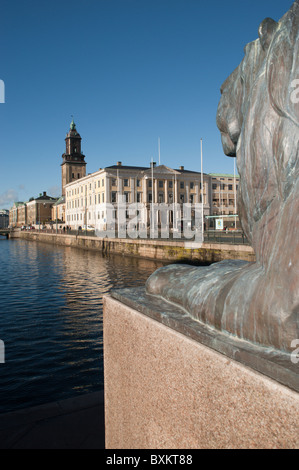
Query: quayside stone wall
[{"x": 152, "y": 249}]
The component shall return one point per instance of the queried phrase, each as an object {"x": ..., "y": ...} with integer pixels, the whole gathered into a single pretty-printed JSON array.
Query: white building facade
[{"x": 92, "y": 200}]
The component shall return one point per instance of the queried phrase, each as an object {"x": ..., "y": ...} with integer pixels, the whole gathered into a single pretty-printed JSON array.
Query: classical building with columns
[{"x": 88, "y": 198}]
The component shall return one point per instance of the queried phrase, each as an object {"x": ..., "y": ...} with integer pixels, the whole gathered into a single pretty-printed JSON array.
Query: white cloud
[{"x": 8, "y": 198}]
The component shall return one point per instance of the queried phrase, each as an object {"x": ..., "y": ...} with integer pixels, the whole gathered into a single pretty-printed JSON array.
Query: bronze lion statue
[{"x": 258, "y": 117}]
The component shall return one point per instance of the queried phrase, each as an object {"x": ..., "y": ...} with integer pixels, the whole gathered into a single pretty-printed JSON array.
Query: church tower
[{"x": 73, "y": 166}]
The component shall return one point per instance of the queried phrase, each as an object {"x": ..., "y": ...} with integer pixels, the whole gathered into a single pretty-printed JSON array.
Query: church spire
[
  {"x": 73, "y": 164},
  {"x": 73, "y": 125}
]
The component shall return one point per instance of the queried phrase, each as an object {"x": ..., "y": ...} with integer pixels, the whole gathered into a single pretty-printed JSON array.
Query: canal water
[{"x": 51, "y": 319}]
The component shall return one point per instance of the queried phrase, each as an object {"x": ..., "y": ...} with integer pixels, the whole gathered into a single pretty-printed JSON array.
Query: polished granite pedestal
[{"x": 173, "y": 383}]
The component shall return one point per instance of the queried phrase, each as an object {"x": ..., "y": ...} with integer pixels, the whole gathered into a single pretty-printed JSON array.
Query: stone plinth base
[{"x": 164, "y": 390}]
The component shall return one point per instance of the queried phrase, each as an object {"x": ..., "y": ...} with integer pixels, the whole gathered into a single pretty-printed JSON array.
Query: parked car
[{"x": 88, "y": 228}]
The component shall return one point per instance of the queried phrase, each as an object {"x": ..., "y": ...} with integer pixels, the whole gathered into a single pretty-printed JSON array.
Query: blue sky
[{"x": 130, "y": 71}]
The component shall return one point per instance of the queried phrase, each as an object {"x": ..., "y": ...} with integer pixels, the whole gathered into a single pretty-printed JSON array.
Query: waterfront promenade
[{"x": 74, "y": 423}]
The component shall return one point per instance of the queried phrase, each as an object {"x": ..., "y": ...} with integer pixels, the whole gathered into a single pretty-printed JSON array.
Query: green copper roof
[
  {"x": 227, "y": 175},
  {"x": 73, "y": 125}
]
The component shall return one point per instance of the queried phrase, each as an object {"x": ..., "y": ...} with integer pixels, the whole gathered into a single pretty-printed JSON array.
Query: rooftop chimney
[
  {"x": 181, "y": 168},
  {"x": 119, "y": 163},
  {"x": 153, "y": 164}
]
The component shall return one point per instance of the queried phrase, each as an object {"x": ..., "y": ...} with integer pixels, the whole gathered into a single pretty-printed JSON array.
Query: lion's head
[{"x": 258, "y": 116}]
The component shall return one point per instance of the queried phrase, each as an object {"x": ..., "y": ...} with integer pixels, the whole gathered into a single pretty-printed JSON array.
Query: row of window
[
  {"x": 161, "y": 183},
  {"x": 231, "y": 202},
  {"x": 126, "y": 183},
  {"x": 100, "y": 199},
  {"x": 80, "y": 218},
  {"x": 223, "y": 186}
]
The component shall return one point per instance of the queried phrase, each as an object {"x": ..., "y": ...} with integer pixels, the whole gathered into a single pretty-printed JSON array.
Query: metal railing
[{"x": 233, "y": 237}]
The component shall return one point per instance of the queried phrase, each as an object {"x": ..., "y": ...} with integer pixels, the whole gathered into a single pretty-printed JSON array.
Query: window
[
  {"x": 161, "y": 198},
  {"x": 113, "y": 197},
  {"x": 170, "y": 184},
  {"x": 127, "y": 196},
  {"x": 78, "y": 175},
  {"x": 230, "y": 187},
  {"x": 191, "y": 185},
  {"x": 126, "y": 182},
  {"x": 149, "y": 183},
  {"x": 139, "y": 197},
  {"x": 138, "y": 183},
  {"x": 103, "y": 182},
  {"x": 182, "y": 185},
  {"x": 113, "y": 182},
  {"x": 182, "y": 198},
  {"x": 160, "y": 184},
  {"x": 214, "y": 186},
  {"x": 103, "y": 198}
]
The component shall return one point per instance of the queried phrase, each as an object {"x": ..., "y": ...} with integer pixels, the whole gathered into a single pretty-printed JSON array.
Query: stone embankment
[{"x": 169, "y": 250}]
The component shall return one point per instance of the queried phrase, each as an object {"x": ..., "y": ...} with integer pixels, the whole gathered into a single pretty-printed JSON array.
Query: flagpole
[
  {"x": 159, "y": 151},
  {"x": 202, "y": 218}
]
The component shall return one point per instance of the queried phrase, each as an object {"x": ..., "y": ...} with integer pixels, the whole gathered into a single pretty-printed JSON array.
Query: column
[
  {"x": 133, "y": 187},
  {"x": 107, "y": 190},
  {"x": 197, "y": 192},
  {"x": 166, "y": 191},
  {"x": 155, "y": 190}
]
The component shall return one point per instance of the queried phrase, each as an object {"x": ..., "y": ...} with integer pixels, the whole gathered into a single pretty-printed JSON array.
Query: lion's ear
[{"x": 266, "y": 30}]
